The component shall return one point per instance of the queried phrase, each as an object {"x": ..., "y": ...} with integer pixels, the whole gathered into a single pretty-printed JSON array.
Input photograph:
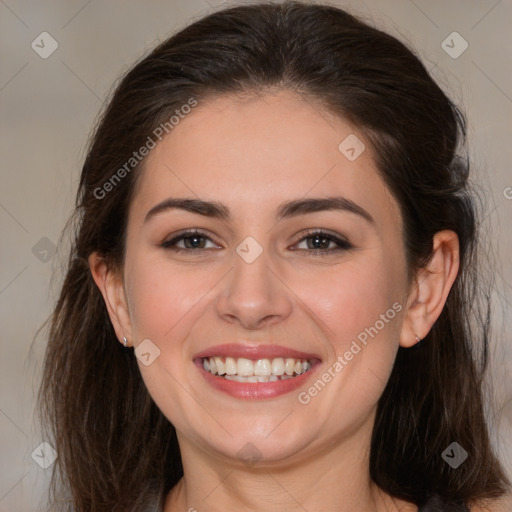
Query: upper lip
[{"x": 251, "y": 351}]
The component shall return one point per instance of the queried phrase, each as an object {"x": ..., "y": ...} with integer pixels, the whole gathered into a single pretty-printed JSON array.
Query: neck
[{"x": 337, "y": 479}]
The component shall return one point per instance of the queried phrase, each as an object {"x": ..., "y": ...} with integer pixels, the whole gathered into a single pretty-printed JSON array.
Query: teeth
[
  {"x": 262, "y": 367},
  {"x": 245, "y": 367},
  {"x": 262, "y": 370},
  {"x": 235, "y": 378},
  {"x": 278, "y": 366},
  {"x": 220, "y": 365},
  {"x": 252, "y": 378},
  {"x": 230, "y": 366}
]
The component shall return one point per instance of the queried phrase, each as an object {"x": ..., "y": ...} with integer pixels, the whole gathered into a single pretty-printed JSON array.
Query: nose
[{"x": 254, "y": 294}]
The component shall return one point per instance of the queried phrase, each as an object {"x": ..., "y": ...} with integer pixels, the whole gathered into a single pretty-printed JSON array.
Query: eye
[
  {"x": 318, "y": 242},
  {"x": 192, "y": 239}
]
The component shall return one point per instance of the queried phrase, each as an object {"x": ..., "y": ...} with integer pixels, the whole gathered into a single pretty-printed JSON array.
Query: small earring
[
  {"x": 124, "y": 341},
  {"x": 417, "y": 344}
]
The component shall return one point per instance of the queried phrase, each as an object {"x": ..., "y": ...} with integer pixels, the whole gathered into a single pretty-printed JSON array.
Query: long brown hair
[{"x": 116, "y": 449}]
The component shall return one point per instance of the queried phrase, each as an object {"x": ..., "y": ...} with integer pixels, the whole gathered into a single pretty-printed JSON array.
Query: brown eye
[
  {"x": 321, "y": 242},
  {"x": 192, "y": 240}
]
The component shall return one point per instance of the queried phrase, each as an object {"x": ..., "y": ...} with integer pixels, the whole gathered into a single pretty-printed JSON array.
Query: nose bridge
[{"x": 253, "y": 291}]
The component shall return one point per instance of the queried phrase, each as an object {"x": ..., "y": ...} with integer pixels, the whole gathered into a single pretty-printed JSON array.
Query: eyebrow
[{"x": 289, "y": 209}]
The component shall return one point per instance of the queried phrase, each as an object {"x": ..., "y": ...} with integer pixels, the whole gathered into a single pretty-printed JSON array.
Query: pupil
[
  {"x": 319, "y": 238},
  {"x": 193, "y": 241}
]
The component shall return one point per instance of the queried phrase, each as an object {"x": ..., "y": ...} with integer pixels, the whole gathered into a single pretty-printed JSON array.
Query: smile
[
  {"x": 245, "y": 370},
  {"x": 256, "y": 371}
]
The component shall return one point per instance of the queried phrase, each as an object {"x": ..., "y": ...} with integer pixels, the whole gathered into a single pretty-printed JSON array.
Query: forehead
[{"x": 256, "y": 151}]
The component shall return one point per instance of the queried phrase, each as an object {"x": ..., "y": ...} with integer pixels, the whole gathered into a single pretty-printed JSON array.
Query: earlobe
[
  {"x": 110, "y": 284},
  {"x": 431, "y": 288}
]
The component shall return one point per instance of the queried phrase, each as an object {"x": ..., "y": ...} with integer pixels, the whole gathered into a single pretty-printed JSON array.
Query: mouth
[
  {"x": 255, "y": 372},
  {"x": 246, "y": 370}
]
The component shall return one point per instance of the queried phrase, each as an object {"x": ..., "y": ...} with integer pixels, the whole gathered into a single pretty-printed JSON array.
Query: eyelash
[{"x": 343, "y": 245}]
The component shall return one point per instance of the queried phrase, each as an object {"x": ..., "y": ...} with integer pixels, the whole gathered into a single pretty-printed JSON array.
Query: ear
[
  {"x": 111, "y": 286},
  {"x": 431, "y": 287}
]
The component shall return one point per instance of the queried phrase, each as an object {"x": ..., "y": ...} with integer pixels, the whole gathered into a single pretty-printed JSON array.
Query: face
[{"x": 273, "y": 279}]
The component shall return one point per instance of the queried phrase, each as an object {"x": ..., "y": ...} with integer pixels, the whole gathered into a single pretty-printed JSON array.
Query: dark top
[{"x": 437, "y": 504}]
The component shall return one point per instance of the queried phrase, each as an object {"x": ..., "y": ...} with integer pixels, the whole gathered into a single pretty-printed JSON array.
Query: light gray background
[{"x": 47, "y": 109}]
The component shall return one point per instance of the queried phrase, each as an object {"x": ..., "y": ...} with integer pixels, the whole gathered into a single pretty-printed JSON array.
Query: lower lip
[{"x": 255, "y": 390}]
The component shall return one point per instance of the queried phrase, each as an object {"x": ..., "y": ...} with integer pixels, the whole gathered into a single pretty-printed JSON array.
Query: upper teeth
[{"x": 262, "y": 369}]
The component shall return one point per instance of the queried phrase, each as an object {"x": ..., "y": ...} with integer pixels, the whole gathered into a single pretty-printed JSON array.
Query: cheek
[
  {"x": 360, "y": 303},
  {"x": 163, "y": 298},
  {"x": 361, "y": 306},
  {"x": 353, "y": 298},
  {"x": 166, "y": 302}
]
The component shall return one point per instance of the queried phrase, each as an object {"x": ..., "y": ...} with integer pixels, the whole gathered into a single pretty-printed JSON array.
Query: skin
[{"x": 253, "y": 153}]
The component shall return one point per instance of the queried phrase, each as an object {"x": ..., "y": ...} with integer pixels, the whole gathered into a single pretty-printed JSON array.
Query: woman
[{"x": 269, "y": 295}]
